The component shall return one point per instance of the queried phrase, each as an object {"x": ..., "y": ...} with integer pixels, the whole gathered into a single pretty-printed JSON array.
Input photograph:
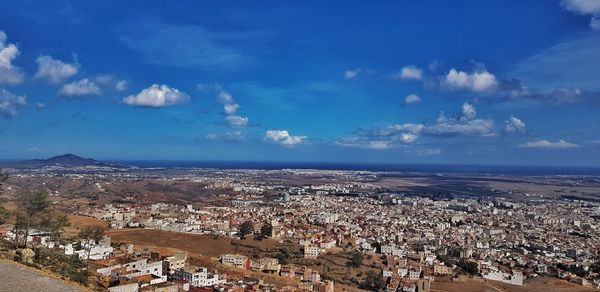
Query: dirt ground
[
  {"x": 80, "y": 222},
  {"x": 193, "y": 243}
]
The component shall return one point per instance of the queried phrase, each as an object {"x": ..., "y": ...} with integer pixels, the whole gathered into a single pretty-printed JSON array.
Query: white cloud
[
  {"x": 11, "y": 103},
  {"x": 157, "y": 96},
  {"x": 121, "y": 85},
  {"x": 9, "y": 74},
  {"x": 464, "y": 124},
  {"x": 110, "y": 82},
  {"x": 545, "y": 144},
  {"x": 353, "y": 73},
  {"x": 379, "y": 145},
  {"x": 225, "y": 97},
  {"x": 411, "y": 99},
  {"x": 230, "y": 108},
  {"x": 480, "y": 81},
  {"x": 284, "y": 138},
  {"x": 582, "y": 6},
  {"x": 585, "y": 7},
  {"x": 468, "y": 110},
  {"x": 514, "y": 125},
  {"x": 350, "y": 74},
  {"x": 54, "y": 71},
  {"x": 409, "y": 72},
  {"x": 80, "y": 88},
  {"x": 237, "y": 121},
  {"x": 454, "y": 127}
]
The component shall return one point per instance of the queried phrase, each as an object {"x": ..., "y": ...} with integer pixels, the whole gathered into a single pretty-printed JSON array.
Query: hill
[{"x": 65, "y": 160}]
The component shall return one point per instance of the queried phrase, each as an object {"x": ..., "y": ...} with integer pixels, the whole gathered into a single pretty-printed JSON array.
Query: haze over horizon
[{"x": 429, "y": 82}]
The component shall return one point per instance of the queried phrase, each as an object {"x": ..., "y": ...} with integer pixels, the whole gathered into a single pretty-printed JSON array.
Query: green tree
[
  {"x": 246, "y": 229},
  {"x": 30, "y": 207},
  {"x": 373, "y": 281},
  {"x": 356, "y": 259},
  {"x": 266, "y": 230},
  {"x": 54, "y": 222},
  {"x": 469, "y": 267}
]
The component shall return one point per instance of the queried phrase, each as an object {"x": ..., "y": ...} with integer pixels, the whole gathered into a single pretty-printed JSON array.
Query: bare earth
[{"x": 16, "y": 278}]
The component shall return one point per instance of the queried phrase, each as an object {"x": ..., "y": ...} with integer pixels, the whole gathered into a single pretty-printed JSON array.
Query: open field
[
  {"x": 80, "y": 222},
  {"x": 193, "y": 243}
]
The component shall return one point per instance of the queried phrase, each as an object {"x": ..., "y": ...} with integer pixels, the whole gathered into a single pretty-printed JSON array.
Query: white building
[{"x": 199, "y": 277}]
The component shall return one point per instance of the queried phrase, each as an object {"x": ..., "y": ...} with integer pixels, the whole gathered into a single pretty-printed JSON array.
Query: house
[
  {"x": 288, "y": 271},
  {"x": 236, "y": 261},
  {"x": 326, "y": 286},
  {"x": 442, "y": 270},
  {"x": 387, "y": 273},
  {"x": 172, "y": 263},
  {"x": 386, "y": 249},
  {"x": 197, "y": 276},
  {"x": 311, "y": 252},
  {"x": 414, "y": 274},
  {"x": 267, "y": 265}
]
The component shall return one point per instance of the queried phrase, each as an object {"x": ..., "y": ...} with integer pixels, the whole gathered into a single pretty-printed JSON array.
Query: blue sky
[{"x": 460, "y": 82}]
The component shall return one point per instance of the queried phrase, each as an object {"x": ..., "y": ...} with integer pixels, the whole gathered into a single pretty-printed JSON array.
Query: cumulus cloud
[
  {"x": 409, "y": 72},
  {"x": 412, "y": 99},
  {"x": 230, "y": 108},
  {"x": 478, "y": 81},
  {"x": 282, "y": 137},
  {"x": 121, "y": 85},
  {"x": 237, "y": 121},
  {"x": 11, "y": 103},
  {"x": 225, "y": 97},
  {"x": 80, "y": 88},
  {"x": 9, "y": 74},
  {"x": 157, "y": 96},
  {"x": 585, "y": 7},
  {"x": 465, "y": 123},
  {"x": 449, "y": 127},
  {"x": 545, "y": 144},
  {"x": 110, "y": 82},
  {"x": 514, "y": 125},
  {"x": 54, "y": 71},
  {"x": 468, "y": 110}
]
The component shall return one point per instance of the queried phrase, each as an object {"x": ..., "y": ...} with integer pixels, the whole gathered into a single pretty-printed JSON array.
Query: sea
[{"x": 411, "y": 168}]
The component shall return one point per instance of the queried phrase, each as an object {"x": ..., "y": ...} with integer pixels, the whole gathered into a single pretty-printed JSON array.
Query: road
[{"x": 14, "y": 277}]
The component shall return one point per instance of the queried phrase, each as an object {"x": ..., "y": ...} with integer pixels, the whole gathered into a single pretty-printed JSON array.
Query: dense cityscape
[{"x": 308, "y": 230}]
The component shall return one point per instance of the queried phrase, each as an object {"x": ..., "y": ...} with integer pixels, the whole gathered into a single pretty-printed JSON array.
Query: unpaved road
[{"x": 17, "y": 278}]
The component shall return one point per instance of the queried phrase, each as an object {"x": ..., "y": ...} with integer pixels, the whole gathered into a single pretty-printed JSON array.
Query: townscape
[
  {"x": 329, "y": 146},
  {"x": 311, "y": 230}
]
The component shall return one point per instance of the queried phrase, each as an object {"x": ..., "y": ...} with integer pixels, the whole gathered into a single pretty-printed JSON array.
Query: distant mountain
[{"x": 65, "y": 160}]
